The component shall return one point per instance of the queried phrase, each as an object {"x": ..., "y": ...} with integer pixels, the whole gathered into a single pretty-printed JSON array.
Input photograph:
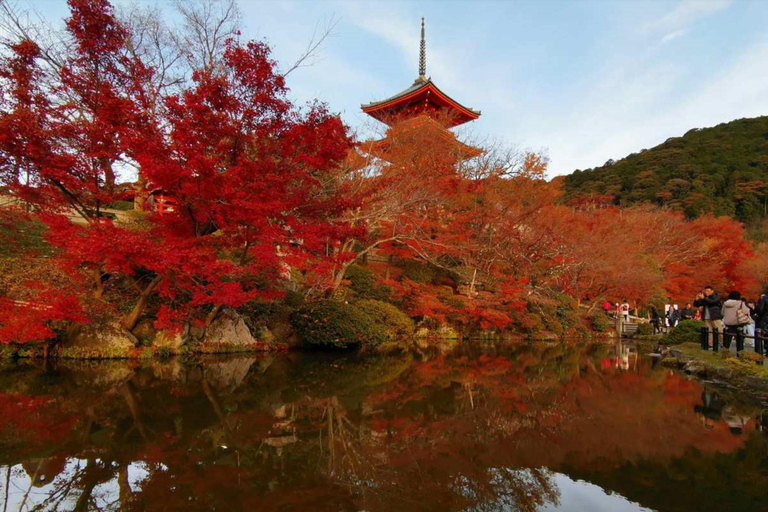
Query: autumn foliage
[{"x": 269, "y": 196}]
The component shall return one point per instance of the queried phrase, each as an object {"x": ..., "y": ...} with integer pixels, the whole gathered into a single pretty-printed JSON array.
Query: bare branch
[
  {"x": 310, "y": 55},
  {"x": 206, "y": 27}
]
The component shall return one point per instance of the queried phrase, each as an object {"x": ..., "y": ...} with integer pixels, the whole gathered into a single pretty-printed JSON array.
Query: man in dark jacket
[
  {"x": 711, "y": 314},
  {"x": 760, "y": 314}
]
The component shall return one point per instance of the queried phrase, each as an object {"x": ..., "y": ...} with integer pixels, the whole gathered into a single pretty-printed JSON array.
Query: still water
[{"x": 483, "y": 428}]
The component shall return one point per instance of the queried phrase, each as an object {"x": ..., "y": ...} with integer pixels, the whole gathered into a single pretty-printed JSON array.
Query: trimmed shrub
[
  {"x": 364, "y": 283},
  {"x": 335, "y": 324},
  {"x": 417, "y": 272},
  {"x": 687, "y": 331},
  {"x": 644, "y": 330},
  {"x": 393, "y": 322}
]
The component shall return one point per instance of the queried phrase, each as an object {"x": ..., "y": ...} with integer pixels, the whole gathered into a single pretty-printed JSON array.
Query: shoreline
[{"x": 743, "y": 372}]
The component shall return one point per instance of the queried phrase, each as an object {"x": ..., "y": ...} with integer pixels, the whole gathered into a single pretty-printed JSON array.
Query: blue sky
[{"x": 583, "y": 80}]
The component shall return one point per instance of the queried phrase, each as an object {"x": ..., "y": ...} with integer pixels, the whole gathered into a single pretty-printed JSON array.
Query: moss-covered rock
[{"x": 94, "y": 341}]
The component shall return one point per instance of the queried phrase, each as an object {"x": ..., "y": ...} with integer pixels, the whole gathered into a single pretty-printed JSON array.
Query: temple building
[{"x": 424, "y": 107}]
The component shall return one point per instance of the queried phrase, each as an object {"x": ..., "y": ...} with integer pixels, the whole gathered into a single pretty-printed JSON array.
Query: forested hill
[{"x": 721, "y": 170}]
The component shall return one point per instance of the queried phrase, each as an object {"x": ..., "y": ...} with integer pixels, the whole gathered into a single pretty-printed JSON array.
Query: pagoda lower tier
[{"x": 421, "y": 132}]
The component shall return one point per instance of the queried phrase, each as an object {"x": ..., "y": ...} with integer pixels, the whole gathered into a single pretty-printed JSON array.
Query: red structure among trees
[{"x": 425, "y": 107}]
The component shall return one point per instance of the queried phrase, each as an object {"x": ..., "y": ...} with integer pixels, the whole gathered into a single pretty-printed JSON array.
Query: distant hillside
[{"x": 721, "y": 170}]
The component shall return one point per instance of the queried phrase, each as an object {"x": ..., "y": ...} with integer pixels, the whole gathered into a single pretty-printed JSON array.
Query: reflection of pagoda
[{"x": 423, "y": 106}]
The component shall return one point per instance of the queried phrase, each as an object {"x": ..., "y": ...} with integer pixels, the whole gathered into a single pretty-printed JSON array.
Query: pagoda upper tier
[{"x": 423, "y": 97}]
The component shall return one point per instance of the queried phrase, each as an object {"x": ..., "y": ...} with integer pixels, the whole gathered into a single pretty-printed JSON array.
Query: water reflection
[{"x": 521, "y": 428}]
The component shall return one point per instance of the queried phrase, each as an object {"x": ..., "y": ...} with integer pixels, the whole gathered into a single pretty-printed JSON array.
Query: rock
[
  {"x": 91, "y": 340},
  {"x": 671, "y": 362},
  {"x": 145, "y": 330},
  {"x": 229, "y": 328},
  {"x": 695, "y": 368},
  {"x": 196, "y": 332},
  {"x": 757, "y": 383},
  {"x": 723, "y": 374},
  {"x": 265, "y": 334}
]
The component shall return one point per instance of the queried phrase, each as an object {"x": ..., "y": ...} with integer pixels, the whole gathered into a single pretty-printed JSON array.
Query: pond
[{"x": 539, "y": 427}]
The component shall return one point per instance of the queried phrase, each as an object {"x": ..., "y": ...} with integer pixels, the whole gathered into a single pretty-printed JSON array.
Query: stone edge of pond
[
  {"x": 8, "y": 353},
  {"x": 677, "y": 359},
  {"x": 142, "y": 353}
]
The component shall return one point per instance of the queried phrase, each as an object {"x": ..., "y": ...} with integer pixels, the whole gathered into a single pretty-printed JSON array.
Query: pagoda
[{"x": 425, "y": 107}]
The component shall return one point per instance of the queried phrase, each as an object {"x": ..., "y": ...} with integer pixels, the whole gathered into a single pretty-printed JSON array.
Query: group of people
[
  {"x": 675, "y": 315},
  {"x": 734, "y": 314},
  {"x": 730, "y": 316},
  {"x": 615, "y": 309}
]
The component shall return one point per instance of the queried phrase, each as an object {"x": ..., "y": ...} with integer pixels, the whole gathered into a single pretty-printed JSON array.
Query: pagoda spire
[{"x": 422, "y": 56}]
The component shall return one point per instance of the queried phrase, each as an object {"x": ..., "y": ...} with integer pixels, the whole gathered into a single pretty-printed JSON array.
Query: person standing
[
  {"x": 673, "y": 315},
  {"x": 625, "y": 310},
  {"x": 687, "y": 312},
  {"x": 761, "y": 314},
  {"x": 607, "y": 307},
  {"x": 749, "y": 329},
  {"x": 709, "y": 301},
  {"x": 655, "y": 321},
  {"x": 736, "y": 316}
]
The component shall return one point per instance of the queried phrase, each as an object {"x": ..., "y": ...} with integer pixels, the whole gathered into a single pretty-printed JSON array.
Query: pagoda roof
[{"x": 422, "y": 95}]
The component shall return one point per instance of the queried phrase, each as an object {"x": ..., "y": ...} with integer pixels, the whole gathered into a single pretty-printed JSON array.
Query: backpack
[{"x": 743, "y": 316}]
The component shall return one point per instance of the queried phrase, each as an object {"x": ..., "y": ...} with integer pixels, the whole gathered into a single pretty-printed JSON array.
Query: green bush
[
  {"x": 364, "y": 283},
  {"x": 388, "y": 318},
  {"x": 601, "y": 322},
  {"x": 336, "y": 324},
  {"x": 293, "y": 299},
  {"x": 644, "y": 330},
  {"x": 417, "y": 272},
  {"x": 687, "y": 331}
]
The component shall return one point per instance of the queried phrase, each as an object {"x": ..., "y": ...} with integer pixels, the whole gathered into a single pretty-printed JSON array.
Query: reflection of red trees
[
  {"x": 35, "y": 421},
  {"x": 473, "y": 421}
]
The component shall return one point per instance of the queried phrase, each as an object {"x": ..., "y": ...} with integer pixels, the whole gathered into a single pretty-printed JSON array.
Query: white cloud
[
  {"x": 673, "y": 35},
  {"x": 677, "y": 22},
  {"x": 634, "y": 112}
]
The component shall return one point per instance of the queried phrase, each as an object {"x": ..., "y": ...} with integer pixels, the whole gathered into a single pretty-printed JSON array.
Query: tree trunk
[
  {"x": 129, "y": 321},
  {"x": 97, "y": 281},
  {"x": 340, "y": 275},
  {"x": 471, "y": 291},
  {"x": 212, "y": 316},
  {"x": 141, "y": 193}
]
